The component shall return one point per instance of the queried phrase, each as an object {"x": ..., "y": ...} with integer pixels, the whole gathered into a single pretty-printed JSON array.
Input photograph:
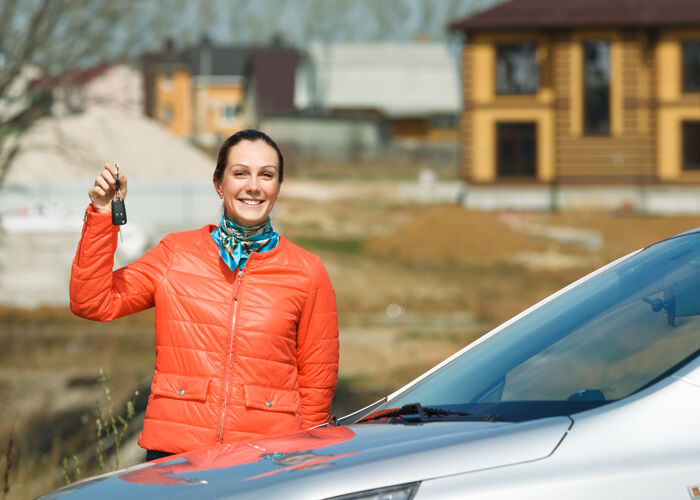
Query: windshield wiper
[{"x": 425, "y": 413}]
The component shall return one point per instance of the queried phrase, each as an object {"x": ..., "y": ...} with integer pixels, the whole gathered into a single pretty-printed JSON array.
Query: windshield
[{"x": 600, "y": 341}]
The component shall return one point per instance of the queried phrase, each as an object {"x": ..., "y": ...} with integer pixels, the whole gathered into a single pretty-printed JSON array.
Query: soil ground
[{"x": 414, "y": 283}]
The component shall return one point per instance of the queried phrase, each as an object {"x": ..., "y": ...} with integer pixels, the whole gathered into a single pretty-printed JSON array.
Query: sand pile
[{"x": 76, "y": 146}]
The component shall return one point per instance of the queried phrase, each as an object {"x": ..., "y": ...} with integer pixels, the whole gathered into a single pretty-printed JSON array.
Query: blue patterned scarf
[{"x": 236, "y": 243}]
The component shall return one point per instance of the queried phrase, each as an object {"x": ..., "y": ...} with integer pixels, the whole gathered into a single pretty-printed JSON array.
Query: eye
[
  {"x": 268, "y": 175},
  {"x": 239, "y": 173}
]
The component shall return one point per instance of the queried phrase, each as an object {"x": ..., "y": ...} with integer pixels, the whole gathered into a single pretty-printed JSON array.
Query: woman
[{"x": 246, "y": 326}]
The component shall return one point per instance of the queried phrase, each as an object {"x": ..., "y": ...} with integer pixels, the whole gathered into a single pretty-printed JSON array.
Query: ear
[{"x": 217, "y": 187}]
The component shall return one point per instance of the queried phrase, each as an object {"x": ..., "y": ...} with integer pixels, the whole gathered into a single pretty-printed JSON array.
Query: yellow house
[
  {"x": 573, "y": 92},
  {"x": 198, "y": 93},
  {"x": 206, "y": 93}
]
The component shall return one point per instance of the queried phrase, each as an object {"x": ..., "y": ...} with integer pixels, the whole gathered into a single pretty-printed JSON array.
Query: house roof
[
  {"x": 76, "y": 75},
  {"x": 561, "y": 14},
  {"x": 392, "y": 78},
  {"x": 273, "y": 71},
  {"x": 203, "y": 60},
  {"x": 217, "y": 61}
]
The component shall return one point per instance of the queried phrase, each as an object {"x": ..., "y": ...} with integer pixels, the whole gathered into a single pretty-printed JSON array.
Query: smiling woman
[
  {"x": 246, "y": 326},
  {"x": 248, "y": 176}
]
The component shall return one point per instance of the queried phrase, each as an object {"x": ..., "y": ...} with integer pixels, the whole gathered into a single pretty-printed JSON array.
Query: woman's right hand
[{"x": 105, "y": 189}]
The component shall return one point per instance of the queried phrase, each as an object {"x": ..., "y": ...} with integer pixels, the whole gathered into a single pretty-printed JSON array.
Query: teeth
[{"x": 251, "y": 202}]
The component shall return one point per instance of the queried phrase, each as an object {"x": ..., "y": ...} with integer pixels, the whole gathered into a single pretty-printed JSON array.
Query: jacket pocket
[
  {"x": 271, "y": 399},
  {"x": 181, "y": 387}
]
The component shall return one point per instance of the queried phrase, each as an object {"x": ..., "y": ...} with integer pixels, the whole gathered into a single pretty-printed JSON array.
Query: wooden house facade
[{"x": 581, "y": 92}]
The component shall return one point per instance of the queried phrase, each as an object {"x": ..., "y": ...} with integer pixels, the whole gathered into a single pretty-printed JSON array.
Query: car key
[{"x": 118, "y": 208}]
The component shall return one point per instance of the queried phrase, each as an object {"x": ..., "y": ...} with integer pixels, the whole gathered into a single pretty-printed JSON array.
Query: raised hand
[{"x": 105, "y": 189}]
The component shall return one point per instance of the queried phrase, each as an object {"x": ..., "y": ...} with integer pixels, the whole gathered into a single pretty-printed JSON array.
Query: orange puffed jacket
[{"x": 239, "y": 355}]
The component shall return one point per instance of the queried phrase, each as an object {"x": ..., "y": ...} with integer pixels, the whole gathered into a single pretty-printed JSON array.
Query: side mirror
[{"x": 682, "y": 299}]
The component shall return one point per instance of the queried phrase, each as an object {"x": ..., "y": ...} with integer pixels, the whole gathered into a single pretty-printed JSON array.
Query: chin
[{"x": 247, "y": 221}]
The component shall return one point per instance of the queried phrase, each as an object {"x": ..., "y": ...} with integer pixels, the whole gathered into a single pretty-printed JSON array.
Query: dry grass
[{"x": 49, "y": 372}]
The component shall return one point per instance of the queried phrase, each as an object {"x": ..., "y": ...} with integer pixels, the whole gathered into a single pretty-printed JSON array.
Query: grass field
[{"x": 414, "y": 283}]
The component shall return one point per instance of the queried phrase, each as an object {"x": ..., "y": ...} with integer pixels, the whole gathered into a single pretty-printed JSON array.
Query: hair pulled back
[{"x": 245, "y": 135}]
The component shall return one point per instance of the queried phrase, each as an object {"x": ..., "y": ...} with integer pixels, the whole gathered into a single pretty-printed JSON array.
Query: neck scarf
[{"x": 236, "y": 243}]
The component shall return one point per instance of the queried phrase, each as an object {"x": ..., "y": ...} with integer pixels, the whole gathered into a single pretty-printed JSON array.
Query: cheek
[
  {"x": 274, "y": 191},
  {"x": 230, "y": 187}
]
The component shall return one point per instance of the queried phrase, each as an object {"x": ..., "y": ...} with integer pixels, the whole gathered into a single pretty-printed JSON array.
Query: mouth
[{"x": 252, "y": 203}]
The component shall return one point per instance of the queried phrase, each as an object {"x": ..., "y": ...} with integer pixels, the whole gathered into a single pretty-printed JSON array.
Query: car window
[
  {"x": 616, "y": 353},
  {"x": 600, "y": 341}
]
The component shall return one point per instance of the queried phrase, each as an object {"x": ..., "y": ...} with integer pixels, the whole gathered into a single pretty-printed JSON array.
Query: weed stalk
[
  {"x": 8, "y": 466},
  {"x": 114, "y": 428},
  {"x": 108, "y": 427}
]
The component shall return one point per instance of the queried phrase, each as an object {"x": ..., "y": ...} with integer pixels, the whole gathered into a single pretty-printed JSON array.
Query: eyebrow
[{"x": 248, "y": 166}]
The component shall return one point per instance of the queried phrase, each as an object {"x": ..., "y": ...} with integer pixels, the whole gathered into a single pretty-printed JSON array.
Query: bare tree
[{"x": 50, "y": 37}]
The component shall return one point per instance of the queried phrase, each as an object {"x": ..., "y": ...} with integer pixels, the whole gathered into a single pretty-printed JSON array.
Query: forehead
[{"x": 253, "y": 153}]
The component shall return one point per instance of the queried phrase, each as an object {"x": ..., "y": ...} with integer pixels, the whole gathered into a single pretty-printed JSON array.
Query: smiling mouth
[{"x": 252, "y": 202}]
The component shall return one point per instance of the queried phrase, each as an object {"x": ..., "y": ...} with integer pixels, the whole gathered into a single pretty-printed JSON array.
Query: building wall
[
  {"x": 674, "y": 106},
  {"x": 409, "y": 128},
  {"x": 627, "y": 152},
  {"x": 118, "y": 87},
  {"x": 647, "y": 107},
  {"x": 121, "y": 87},
  {"x": 466, "y": 134},
  {"x": 196, "y": 111},
  {"x": 441, "y": 134},
  {"x": 218, "y": 98},
  {"x": 173, "y": 102},
  {"x": 484, "y": 108}
]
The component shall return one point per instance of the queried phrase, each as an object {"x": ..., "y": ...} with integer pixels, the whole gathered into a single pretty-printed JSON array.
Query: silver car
[{"x": 594, "y": 393}]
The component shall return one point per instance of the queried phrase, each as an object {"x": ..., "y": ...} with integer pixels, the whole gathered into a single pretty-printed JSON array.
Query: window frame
[
  {"x": 685, "y": 166},
  {"x": 224, "y": 118},
  {"x": 535, "y": 47},
  {"x": 684, "y": 82},
  {"x": 167, "y": 115},
  {"x": 587, "y": 131},
  {"x": 501, "y": 131}
]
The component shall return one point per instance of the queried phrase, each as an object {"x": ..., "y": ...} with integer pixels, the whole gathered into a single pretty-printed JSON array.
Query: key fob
[{"x": 118, "y": 212}]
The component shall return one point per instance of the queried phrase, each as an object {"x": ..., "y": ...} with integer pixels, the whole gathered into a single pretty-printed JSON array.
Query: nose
[{"x": 252, "y": 186}]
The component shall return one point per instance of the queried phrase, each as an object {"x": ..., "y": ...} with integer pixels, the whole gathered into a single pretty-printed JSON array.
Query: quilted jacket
[{"x": 239, "y": 355}]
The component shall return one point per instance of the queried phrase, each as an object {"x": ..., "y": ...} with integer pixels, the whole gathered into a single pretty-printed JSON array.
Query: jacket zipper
[{"x": 229, "y": 368}]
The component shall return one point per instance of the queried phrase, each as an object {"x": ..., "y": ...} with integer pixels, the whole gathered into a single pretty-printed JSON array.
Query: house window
[
  {"x": 691, "y": 145},
  {"x": 691, "y": 66},
  {"x": 443, "y": 121},
  {"x": 596, "y": 87},
  {"x": 517, "y": 149},
  {"x": 517, "y": 71},
  {"x": 167, "y": 115},
  {"x": 166, "y": 83},
  {"x": 229, "y": 113}
]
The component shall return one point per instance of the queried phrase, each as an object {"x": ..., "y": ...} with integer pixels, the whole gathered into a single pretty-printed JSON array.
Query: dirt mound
[
  {"x": 453, "y": 233},
  {"x": 567, "y": 239},
  {"x": 625, "y": 233}
]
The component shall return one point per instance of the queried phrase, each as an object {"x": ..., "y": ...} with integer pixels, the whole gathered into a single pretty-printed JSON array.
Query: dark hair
[{"x": 245, "y": 135}]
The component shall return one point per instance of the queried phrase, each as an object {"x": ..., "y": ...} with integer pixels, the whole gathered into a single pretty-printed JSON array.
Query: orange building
[
  {"x": 581, "y": 91},
  {"x": 201, "y": 92}
]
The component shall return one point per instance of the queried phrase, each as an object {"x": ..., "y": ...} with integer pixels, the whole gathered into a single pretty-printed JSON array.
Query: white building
[{"x": 397, "y": 80}]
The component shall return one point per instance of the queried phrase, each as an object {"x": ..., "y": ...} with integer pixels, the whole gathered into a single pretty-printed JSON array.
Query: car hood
[{"x": 330, "y": 461}]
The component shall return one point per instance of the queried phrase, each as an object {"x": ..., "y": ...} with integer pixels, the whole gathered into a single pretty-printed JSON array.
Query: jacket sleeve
[
  {"x": 317, "y": 350},
  {"x": 98, "y": 293}
]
